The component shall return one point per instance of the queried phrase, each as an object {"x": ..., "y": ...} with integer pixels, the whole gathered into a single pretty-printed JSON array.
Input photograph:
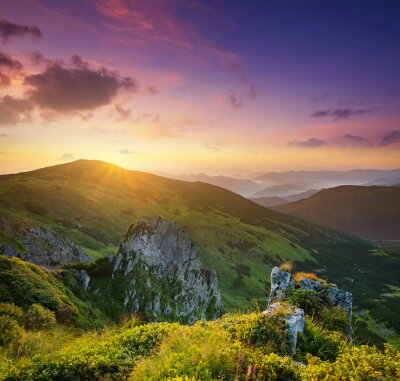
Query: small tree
[{"x": 39, "y": 317}]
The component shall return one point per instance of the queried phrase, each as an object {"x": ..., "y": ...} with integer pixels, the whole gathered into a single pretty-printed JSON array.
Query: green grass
[{"x": 93, "y": 203}]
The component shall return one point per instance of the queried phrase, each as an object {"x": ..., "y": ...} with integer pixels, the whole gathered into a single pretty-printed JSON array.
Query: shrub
[
  {"x": 318, "y": 342},
  {"x": 356, "y": 364},
  {"x": 9, "y": 329},
  {"x": 39, "y": 317},
  {"x": 265, "y": 332},
  {"x": 194, "y": 353},
  {"x": 110, "y": 356},
  {"x": 10, "y": 309},
  {"x": 275, "y": 368},
  {"x": 308, "y": 300},
  {"x": 286, "y": 266},
  {"x": 300, "y": 275},
  {"x": 335, "y": 319}
]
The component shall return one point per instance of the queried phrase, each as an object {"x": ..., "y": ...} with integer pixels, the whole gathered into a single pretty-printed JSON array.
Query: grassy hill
[
  {"x": 371, "y": 212},
  {"x": 93, "y": 203}
]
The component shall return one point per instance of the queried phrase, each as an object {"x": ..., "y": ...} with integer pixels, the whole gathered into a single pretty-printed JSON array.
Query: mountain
[
  {"x": 329, "y": 178},
  {"x": 91, "y": 203},
  {"x": 243, "y": 187},
  {"x": 269, "y": 202},
  {"x": 369, "y": 212},
  {"x": 284, "y": 189},
  {"x": 301, "y": 195}
]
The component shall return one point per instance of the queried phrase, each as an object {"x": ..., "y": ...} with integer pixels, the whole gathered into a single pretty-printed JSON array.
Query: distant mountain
[
  {"x": 385, "y": 181},
  {"x": 329, "y": 178},
  {"x": 243, "y": 187},
  {"x": 284, "y": 189},
  {"x": 301, "y": 195},
  {"x": 369, "y": 212},
  {"x": 269, "y": 202}
]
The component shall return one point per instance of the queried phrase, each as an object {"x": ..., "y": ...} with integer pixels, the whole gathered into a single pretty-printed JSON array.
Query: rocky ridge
[
  {"x": 40, "y": 246},
  {"x": 156, "y": 272}
]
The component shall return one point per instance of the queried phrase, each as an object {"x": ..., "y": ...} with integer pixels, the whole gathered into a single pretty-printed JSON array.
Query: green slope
[
  {"x": 371, "y": 212},
  {"x": 93, "y": 203}
]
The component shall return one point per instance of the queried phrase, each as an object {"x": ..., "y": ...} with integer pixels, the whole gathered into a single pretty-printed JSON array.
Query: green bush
[
  {"x": 334, "y": 319},
  {"x": 10, "y": 309},
  {"x": 319, "y": 342},
  {"x": 356, "y": 364},
  {"x": 9, "y": 329},
  {"x": 110, "y": 355},
  {"x": 276, "y": 368},
  {"x": 308, "y": 300},
  {"x": 266, "y": 332},
  {"x": 39, "y": 317},
  {"x": 192, "y": 353}
]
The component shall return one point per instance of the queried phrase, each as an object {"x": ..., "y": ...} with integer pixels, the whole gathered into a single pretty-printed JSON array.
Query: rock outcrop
[
  {"x": 158, "y": 274},
  {"x": 40, "y": 246},
  {"x": 294, "y": 318},
  {"x": 329, "y": 294},
  {"x": 282, "y": 280}
]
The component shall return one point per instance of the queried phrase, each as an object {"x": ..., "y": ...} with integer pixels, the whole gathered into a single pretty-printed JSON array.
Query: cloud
[
  {"x": 390, "y": 138},
  {"x": 355, "y": 141},
  {"x": 124, "y": 113},
  {"x": 14, "y": 111},
  {"x": 214, "y": 146},
  {"x": 8, "y": 62},
  {"x": 9, "y": 30},
  {"x": 4, "y": 80},
  {"x": 310, "y": 143},
  {"x": 342, "y": 113},
  {"x": 67, "y": 157},
  {"x": 320, "y": 97},
  {"x": 4, "y": 136},
  {"x": 152, "y": 90},
  {"x": 76, "y": 88},
  {"x": 235, "y": 100},
  {"x": 127, "y": 151}
]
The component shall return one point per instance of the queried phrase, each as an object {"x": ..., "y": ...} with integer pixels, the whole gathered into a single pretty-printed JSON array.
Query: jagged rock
[
  {"x": 41, "y": 246},
  {"x": 158, "y": 274},
  {"x": 280, "y": 281},
  {"x": 295, "y": 319}
]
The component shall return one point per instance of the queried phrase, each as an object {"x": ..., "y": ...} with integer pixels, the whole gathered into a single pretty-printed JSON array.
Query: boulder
[
  {"x": 280, "y": 281},
  {"x": 295, "y": 320}
]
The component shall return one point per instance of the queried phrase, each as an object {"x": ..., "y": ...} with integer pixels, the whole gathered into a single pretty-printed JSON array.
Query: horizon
[
  {"x": 236, "y": 174},
  {"x": 187, "y": 87}
]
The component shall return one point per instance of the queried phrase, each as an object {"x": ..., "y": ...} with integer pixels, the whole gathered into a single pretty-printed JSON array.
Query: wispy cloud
[
  {"x": 309, "y": 143},
  {"x": 67, "y": 157},
  {"x": 9, "y": 30},
  {"x": 355, "y": 141},
  {"x": 127, "y": 151},
  {"x": 390, "y": 138},
  {"x": 341, "y": 113}
]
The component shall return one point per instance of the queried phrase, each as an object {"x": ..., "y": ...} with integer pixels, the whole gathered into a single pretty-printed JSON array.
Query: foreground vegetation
[{"x": 232, "y": 346}]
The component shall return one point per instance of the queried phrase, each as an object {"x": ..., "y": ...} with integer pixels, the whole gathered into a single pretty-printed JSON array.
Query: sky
[{"x": 184, "y": 86}]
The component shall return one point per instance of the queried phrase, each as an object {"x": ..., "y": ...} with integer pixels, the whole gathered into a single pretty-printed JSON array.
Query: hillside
[
  {"x": 92, "y": 203},
  {"x": 269, "y": 202},
  {"x": 371, "y": 212}
]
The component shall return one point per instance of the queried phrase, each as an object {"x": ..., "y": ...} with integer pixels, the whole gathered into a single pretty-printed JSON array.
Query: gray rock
[
  {"x": 280, "y": 281},
  {"x": 158, "y": 268},
  {"x": 295, "y": 320},
  {"x": 41, "y": 246}
]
